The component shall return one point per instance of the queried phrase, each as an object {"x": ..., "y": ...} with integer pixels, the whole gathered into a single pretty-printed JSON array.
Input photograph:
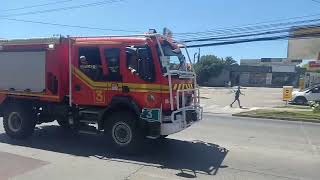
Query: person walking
[{"x": 237, "y": 96}]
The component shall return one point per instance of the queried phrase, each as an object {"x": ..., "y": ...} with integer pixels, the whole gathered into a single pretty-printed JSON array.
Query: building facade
[{"x": 264, "y": 72}]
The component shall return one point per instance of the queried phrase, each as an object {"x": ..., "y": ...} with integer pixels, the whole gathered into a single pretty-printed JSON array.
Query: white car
[{"x": 310, "y": 94}]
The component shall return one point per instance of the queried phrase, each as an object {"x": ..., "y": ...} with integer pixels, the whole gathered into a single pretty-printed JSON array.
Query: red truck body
[{"x": 127, "y": 74}]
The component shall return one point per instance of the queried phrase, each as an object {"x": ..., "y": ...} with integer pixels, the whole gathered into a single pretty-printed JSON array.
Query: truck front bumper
[{"x": 180, "y": 119}]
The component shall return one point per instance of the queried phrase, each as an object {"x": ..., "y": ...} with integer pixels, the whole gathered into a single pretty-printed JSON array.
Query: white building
[
  {"x": 283, "y": 71},
  {"x": 277, "y": 64}
]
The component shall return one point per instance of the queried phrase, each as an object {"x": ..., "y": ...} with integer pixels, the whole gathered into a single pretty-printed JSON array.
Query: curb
[{"x": 280, "y": 119}]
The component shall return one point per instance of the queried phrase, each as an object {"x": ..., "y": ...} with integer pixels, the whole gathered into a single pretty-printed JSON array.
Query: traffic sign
[{"x": 287, "y": 93}]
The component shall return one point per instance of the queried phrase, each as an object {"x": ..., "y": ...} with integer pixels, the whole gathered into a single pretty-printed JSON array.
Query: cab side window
[
  {"x": 140, "y": 62},
  {"x": 90, "y": 63},
  {"x": 112, "y": 56}
]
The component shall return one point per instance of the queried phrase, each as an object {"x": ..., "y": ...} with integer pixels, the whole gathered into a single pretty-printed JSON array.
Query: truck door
[
  {"x": 113, "y": 74},
  {"x": 139, "y": 80},
  {"x": 88, "y": 84}
]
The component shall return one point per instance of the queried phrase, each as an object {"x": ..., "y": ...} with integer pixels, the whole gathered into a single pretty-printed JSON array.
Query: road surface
[
  {"x": 219, "y": 147},
  {"x": 217, "y": 99}
]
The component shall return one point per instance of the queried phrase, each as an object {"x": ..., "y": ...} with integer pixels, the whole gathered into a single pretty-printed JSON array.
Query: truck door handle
[{"x": 77, "y": 87}]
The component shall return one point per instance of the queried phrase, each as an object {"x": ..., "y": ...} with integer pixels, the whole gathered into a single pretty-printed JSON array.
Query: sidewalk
[
  {"x": 227, "y": 110},
  {"x": 218, "y": 99}
]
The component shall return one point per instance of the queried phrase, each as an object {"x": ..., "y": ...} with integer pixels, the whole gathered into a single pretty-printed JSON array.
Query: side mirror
[{"x": 146, "y": 70}]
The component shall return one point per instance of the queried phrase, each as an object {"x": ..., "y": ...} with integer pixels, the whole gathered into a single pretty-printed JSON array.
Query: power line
[
  {"x": 63, "y": 8},
  {"x": 270, "y": 38},
  {"x": 257, "y": 31},
  {"x": 251, "y": 28},
  {"x": 236, "y": 36},
  {"x": 247, "y": 33},
  {"x": 38, "y": 5},
  {"x": 316, "y": 1},
  {"x": 71, "y": 26},
  {"x": 248, "y": 25}
]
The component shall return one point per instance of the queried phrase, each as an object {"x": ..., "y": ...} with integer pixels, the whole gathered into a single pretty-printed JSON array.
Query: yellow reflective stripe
[
  {"x": 132, "y": 86},
  {"x": 29, "y": 94},
  {"x": 82, "y": 76},
  {"x": 143, "y": 86}
]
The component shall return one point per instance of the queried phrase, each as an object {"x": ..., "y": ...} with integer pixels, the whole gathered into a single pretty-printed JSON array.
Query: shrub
[{"x": 315, "y": 106}]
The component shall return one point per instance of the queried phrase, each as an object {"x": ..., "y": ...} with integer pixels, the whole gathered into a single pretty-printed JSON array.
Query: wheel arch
[
  {"x": 25, "y": 110},
  {"x": 119, "y": 103},
  {"x": 300, "y": 97}
]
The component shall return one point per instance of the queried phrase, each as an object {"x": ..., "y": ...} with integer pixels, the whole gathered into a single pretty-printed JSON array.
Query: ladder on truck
[{"x": 30, "y": 41}]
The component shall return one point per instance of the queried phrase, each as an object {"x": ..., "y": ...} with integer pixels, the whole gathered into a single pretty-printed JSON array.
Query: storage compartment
[{"x": 22, "y": 71}]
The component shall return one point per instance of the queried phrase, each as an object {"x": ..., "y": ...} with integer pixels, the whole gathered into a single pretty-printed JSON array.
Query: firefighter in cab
[{"x": 91, "y": 70}]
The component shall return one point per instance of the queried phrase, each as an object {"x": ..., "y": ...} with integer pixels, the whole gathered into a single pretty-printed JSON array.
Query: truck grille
[{"x": 188, "y": 100}]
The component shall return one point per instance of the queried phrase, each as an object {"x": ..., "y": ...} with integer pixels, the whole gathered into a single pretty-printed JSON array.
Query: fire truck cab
[{"x": 126, "y": 87}]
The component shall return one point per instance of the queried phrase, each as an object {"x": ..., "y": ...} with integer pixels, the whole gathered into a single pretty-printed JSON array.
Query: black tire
[
  {"x": 163, "y": 137},
  {"x": 63, "y": 123},
  {"x": 301, "y": 100},
  {"x": 121, "y": 128},
  {"x": 18, "y": 122}
]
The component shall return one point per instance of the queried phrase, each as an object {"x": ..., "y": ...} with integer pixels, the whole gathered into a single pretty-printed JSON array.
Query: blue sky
[{"x": 177, "y": 15}]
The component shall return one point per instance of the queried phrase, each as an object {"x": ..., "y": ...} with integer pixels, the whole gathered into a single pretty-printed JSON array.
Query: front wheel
[
  {"x": 123, "y": 130},
  {"x": 18, "y": 122}
]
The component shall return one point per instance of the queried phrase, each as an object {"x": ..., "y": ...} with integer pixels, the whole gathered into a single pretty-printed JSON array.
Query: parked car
[{"x": 303, "y": 96}]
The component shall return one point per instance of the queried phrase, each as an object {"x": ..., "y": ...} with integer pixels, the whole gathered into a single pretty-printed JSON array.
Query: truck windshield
[{"x": 176, "y": 60}]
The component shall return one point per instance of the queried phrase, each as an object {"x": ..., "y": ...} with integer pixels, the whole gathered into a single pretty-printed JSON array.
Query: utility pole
[
  {"x": 194, "y": 58},
  {"x": 198, "y": 55}
]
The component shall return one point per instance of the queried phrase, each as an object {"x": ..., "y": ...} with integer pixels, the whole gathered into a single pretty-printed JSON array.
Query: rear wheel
[
  {"x": 18, "y": 122},
  {"x": 123, "y": 130}
]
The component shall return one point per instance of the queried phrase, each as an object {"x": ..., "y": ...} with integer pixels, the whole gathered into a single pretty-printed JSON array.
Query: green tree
[
  {"x": 305, "y": 65},
  {"x": 230, "y": 61},
  {"x": 208, "y": 66}
]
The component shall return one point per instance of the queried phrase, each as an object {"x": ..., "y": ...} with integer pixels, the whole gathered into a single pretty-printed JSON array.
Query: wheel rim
[
  {"x": 14, "y": 122},
  {"x": 121, "y": 133}
]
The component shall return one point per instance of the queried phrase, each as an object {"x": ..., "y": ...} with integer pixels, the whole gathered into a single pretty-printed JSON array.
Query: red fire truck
[{"x": 126, "y": 87}]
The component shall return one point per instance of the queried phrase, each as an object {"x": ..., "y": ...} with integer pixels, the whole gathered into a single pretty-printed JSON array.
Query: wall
[{"x": 221, "y": 80}]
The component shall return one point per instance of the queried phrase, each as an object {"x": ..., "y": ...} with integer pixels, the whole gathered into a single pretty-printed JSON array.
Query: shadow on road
[{"x": 186, "y": 156}]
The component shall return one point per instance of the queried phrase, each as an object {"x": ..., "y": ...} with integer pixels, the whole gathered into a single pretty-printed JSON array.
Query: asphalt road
[{"x": 219, "y": 147}]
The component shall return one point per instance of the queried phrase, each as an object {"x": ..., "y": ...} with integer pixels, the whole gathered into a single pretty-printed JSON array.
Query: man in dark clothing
[{"x": 236, "y": 98}]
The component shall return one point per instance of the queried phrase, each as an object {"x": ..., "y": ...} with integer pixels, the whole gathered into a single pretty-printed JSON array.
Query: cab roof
[{"x": 109, "y": 40}]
